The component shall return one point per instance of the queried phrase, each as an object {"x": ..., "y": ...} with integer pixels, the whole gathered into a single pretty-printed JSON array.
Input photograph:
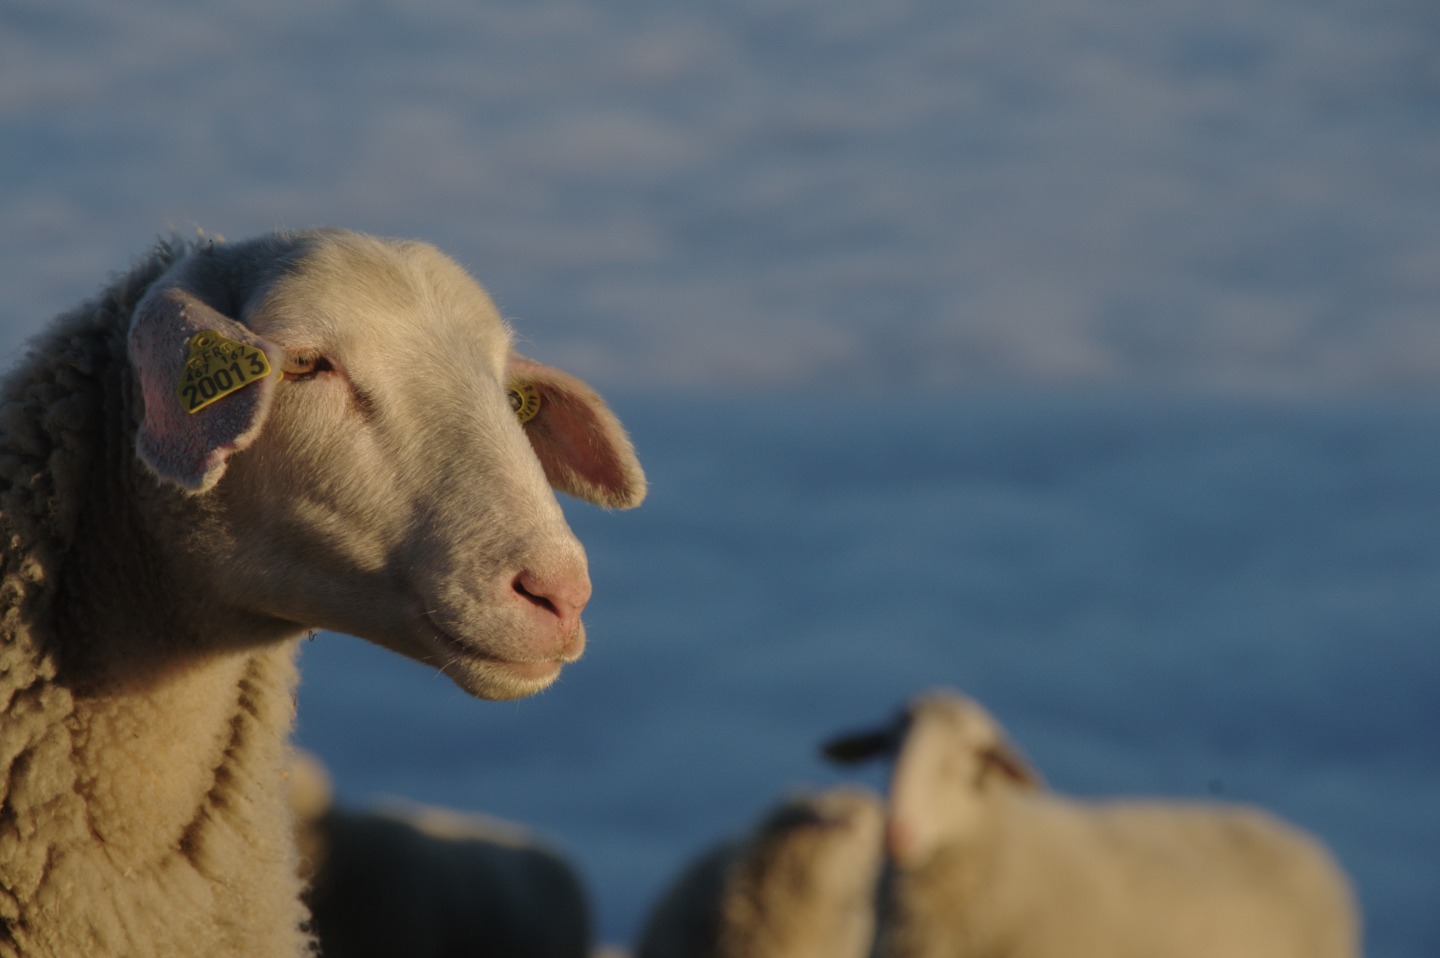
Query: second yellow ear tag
[
  {"x": 216, "y": 367},
  {"x": 524, "y": 399}
]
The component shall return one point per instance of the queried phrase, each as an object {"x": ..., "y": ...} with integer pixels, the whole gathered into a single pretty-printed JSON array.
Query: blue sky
[{"x": 1220, "y": 196}]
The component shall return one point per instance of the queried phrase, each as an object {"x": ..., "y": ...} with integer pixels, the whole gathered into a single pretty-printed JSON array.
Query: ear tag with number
[
  {"x": 216, "y": 367},
  {"x": 524, "y": 399}
]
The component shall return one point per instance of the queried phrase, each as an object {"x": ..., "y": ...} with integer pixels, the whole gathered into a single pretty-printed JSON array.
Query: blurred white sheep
[
  {"x": 800, "y": 884},
  {"x": 988, "y": 864}
]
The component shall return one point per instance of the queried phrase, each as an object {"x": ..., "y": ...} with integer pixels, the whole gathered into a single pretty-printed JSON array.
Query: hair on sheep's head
[
  {"x": 837, "y": 808},
  {"x": 955, "y": 765},
  {"x": 967, "y": 724},
  {"x": 970, "y": 724},
  {"x": 353, "y": 420},
  {"x": 947, "y": 751},
  {"x": 804, "y": 880},
  {"x": 579, "y": 442}
]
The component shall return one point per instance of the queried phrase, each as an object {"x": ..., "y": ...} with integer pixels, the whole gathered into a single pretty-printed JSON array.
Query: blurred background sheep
[
  {"x": 799, "y": 884},
  {"x": 411, "y": 881},
  {"x": 987, "y": 862}
]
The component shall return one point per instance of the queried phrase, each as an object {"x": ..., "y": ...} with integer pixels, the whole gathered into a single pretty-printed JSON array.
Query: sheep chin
[
  {"x": 500, "y": 681},
  {"x": 488, "y": 675}
]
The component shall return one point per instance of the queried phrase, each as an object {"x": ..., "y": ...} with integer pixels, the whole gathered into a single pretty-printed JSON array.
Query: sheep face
[
  {"x": 828, "y": 842},
  {"x": 950, "y": 759},
  {"x": 806, "y": 880},
  {"x": 380, "y": 482},
  {"x": 953, "y": 761}
]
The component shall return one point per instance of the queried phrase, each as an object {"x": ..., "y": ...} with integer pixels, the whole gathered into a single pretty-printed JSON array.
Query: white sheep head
[
  {"x": 378, "y": 481},
  {"x": 950, "y": 759},
  {"x": 804, "y": 882}
]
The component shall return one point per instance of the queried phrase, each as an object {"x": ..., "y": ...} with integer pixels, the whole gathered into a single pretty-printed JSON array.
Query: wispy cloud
[{"x": 1217, "y": 196}]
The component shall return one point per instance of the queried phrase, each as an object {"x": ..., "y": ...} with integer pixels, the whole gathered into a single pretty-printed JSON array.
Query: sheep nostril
[
  {"x": 540, "y": 600},
  {"x": 561, "y": 595}
]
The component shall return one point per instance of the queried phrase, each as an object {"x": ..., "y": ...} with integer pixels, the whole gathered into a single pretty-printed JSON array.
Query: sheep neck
[
  {"x": 929, "y": 909},
  {"x": 962, "y": 900},
  {"x": 141, "y": 745}
]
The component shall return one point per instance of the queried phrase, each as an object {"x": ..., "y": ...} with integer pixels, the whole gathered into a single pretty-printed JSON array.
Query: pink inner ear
[
  {"x": 189, "y": 449},
  {"x": 581, "y": 445}
]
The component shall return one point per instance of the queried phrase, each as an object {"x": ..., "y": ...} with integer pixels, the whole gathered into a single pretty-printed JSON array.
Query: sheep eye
[{"x": 304, "y": 365}]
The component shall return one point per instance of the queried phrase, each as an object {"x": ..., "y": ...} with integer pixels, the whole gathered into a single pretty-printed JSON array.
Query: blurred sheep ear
[
  {"x": 853, "y": 748},
  {"x": 1007, "y": 758},
  {"x": 184, "y": 447},
  {"x": 579, "y": 442}
]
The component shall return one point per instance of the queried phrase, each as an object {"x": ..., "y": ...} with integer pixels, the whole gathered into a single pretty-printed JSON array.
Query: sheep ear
[
  {"x": 579, "y": 441},
  {"x": 1007, "y": 758},
  {"x": 853, "y": 748},
  {"x": 190, "y": 449}
]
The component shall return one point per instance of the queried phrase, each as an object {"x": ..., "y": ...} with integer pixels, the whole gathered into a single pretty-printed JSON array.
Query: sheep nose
[{"x": 562, "y": 595}]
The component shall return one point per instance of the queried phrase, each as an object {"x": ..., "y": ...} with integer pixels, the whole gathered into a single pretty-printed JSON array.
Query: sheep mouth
[{"x": 461, "y": 659}]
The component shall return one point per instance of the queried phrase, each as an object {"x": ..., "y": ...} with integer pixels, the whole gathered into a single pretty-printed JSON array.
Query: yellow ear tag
[
  {"x": 524, "y": 399},
  {"x": 216, "y": 367}
]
